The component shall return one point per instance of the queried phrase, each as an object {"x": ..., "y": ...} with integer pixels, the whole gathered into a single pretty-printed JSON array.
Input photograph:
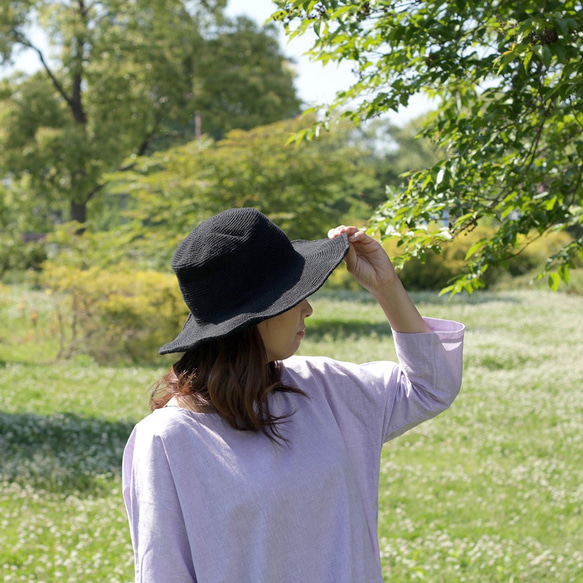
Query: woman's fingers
[
  {"x": 366, "y": 260},
  {"x": 349, "y": 230}
]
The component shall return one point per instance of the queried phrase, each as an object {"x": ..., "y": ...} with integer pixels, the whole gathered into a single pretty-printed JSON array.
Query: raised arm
[{"x": 368, "y": 262}]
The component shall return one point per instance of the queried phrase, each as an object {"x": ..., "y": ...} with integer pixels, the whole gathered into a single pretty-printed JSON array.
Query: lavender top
[{"x": 210, "y": 504}]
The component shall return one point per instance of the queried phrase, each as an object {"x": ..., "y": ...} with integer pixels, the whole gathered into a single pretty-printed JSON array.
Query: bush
[
  {"x": 438, "y": 269},
  {"x": 341, "y": 279},
  {"x": 114, "y": 316},
  {"x": 533, "y": 257},
  {"x": 17, "y": 254}
]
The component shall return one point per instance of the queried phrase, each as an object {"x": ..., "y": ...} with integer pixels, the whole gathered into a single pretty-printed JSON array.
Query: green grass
[{"x": 491, "y": 490}]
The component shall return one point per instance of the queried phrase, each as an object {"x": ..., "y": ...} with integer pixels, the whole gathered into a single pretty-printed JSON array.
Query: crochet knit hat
[{"x": 238, "y": 268}]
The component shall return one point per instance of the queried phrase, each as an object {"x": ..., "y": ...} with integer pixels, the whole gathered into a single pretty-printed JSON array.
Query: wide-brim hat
[{"x": 237, "y": 269}]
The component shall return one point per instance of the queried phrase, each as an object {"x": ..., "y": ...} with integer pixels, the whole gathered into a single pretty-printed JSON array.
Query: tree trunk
[{"x": 79, "y": 213}]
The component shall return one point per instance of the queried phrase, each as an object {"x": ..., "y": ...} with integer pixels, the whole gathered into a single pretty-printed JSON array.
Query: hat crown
[
  {"x": 228, "y": 258},
  {"x": 220, "y": 239}
]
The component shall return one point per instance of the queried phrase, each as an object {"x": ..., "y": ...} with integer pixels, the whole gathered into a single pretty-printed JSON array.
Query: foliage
[
  {"x": 19, "y": 248},
  {"x": 508, "y": 77},
  {"x": 16, "y": 255},
  {"x": 304, "y": 188},
  {"x": 488, "y": 491},
  {"x": 244, "y": 80},
  {"x": 114, "y": 316},
  {"x": 125, "y": 248},
  {"x": 395, "y": 151},
  {"x": 438, "y": 270},
  {"x": 123, "y": 79}
]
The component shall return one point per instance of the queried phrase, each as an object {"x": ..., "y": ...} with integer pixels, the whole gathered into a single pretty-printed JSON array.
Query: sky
[{"x": 315, "y": 83}]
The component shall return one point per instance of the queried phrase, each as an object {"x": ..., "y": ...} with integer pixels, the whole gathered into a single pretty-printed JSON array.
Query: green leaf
[
  {"x": 564, "y": 273},
  {"x": 554, "y": 281},
  {"x": 527, "y": 58}
]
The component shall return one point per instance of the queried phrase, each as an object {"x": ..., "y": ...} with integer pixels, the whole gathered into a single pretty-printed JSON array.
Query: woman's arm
[
  {"x": 430, "y": 353},
  {"x": 162, "y": 552},
  {"x": 368, "y": 262}
]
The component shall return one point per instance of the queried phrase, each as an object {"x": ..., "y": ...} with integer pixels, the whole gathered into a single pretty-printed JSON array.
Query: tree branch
[
  {"x": 140, "y": 152},
  {"x": 24, "y": 41},
  {"x": 83, "y": 11},
  {"x": 577, "y": 185},
  {"x": 77, "y": 96},
  {"x": 94, "y": 191}
]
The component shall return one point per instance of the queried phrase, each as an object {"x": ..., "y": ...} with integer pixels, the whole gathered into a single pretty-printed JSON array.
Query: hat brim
[{"x": 320, "y": 257}]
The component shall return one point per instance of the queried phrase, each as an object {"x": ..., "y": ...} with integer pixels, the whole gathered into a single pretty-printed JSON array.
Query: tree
[
  {"x": 123, "y": 79},
  {"x": 304, "y": 188},
  {"x": 508, "y": 77},
  {"x": 395, "y": 152},
  {"x": 244, "y": 81},
  {"x": 20, "y": 245}
]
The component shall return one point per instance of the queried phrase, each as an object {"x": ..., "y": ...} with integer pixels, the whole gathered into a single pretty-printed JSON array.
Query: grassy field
[{"x": 492, "y": 490}]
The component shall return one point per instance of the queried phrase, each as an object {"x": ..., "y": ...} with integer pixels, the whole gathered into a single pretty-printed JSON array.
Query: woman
[{"x": 257, "y": 466}]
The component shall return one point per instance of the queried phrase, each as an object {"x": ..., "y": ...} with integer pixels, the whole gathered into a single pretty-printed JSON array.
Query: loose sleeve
[
  {"x": 378, "y": 401},
  {"x": 161, "y": 550},
  {"x": 428, "y": 377}
]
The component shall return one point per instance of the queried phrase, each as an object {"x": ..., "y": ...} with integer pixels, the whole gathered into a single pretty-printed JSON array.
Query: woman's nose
[{"x": 307, "y": 309}]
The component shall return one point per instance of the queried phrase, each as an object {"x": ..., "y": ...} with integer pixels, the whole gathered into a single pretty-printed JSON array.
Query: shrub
[
  {"x": 341, "y": 279},
  {"x": 438, "y": 269},
  {"x": 114, "y": 316},
  {"x": 17, "y": 254},
  {"x": 535, "y": 255},
  {"x": 433, "y": 274}
]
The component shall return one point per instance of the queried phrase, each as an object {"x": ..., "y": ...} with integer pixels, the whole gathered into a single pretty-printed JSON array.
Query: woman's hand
[{"x": 366, "y": 260}]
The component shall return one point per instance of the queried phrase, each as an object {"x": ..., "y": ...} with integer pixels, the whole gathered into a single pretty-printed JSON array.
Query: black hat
[{"x": 237, "y": 269}]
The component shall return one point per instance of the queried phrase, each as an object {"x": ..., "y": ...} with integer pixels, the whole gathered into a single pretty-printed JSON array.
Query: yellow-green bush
[
  {"x": 432, "y": 275},
  {"x": 114, "y": 315},
  {"x": 341, "y": 279},
  {"x": 535, "y": 255},
  {"x": 438, "y": 269}
]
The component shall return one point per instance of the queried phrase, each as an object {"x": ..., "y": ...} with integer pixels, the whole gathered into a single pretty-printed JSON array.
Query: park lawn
[{"x": 491, "y": 490}]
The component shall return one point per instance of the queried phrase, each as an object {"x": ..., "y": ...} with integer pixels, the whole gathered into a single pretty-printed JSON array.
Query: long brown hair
[{"x": 230, "y": 376}]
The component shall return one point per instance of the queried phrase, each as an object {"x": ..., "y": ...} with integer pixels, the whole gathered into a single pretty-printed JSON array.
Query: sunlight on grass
[{"x": 491, "y": 490}]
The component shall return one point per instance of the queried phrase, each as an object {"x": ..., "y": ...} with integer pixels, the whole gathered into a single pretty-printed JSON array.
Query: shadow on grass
[
  {"x": 425, "y": 297},
  {"x": 477, "y": 298},
  {"x": 339, "y": 329},
  {"x": 344, "y": 295},
  {"x": 61, "y": 452}
]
